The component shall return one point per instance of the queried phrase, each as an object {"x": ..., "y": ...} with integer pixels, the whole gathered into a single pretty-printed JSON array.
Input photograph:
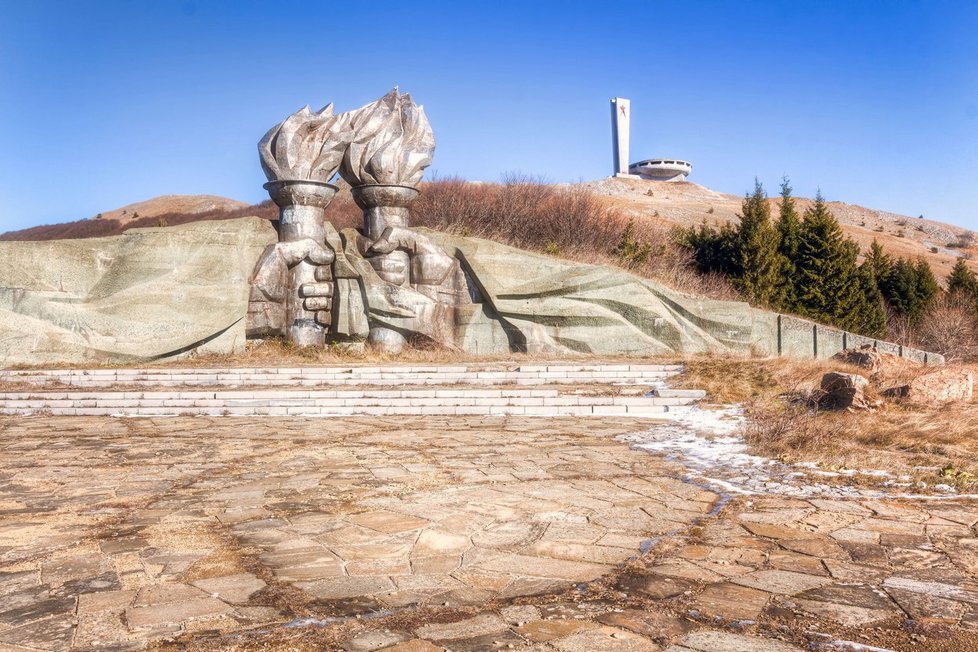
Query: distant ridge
[
  {"x": 165, "y": 210},
  {"x": 689, "y": 204},
  {"x": 665, "y": 203}
]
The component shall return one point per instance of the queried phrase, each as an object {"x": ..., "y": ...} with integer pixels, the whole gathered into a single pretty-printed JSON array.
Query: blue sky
[{"x": 875, "y": 102}]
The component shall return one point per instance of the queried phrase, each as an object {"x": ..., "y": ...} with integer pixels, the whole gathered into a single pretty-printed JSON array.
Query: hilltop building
[{"x": 655, "y": 169}]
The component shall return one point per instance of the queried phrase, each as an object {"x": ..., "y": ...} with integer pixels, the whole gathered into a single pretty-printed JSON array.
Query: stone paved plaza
[{"x": 458, "y": 532}]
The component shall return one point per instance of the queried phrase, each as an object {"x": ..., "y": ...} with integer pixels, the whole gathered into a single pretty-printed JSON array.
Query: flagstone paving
[{"x": 463, "y": 533}]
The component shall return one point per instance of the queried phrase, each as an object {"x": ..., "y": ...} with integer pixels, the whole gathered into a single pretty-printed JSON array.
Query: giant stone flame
[
  {"x": 306, "y": 146},
  {"x": 392, "y": 143}
]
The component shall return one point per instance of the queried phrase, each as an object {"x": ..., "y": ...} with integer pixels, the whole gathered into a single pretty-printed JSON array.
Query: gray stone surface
[
  {"x": 158, "y": 293},
  {"x": 455, "y": 515},
  {"x": 147, "y": 294}
]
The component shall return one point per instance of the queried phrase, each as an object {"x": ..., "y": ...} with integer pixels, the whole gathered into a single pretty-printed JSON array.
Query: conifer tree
[
  {"x": 789, "y": 232},
  {"x": 909, "y": 288},
  {"x": 927, "y": 287},
  {"x": 878, "y": 262},
  {"x": 829, "y": 285},
  {"x": 714, "y": 250},
  {"x": 962, "y": 280},
  {"x": 761, "y": 263},
  {"x": 872, "y": 310}
]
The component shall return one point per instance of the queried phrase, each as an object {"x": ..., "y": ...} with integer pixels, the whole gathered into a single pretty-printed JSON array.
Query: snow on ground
[{"x": 709, "y": 442}]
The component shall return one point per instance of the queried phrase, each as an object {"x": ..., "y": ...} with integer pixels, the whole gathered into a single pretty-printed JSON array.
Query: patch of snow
[{"x": 709, "y": 442}]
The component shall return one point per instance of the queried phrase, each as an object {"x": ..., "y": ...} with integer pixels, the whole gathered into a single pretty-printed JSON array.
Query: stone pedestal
[
  {"x": 302, "y": 205},
  {"x": 386, "y": 205}
]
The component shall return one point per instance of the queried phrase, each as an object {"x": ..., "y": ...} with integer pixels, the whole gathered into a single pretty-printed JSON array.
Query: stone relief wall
[
  {"x": 392, "y": 285},
  {"x": 166, "y": 292},
  {"x": 148, "y": 294}
]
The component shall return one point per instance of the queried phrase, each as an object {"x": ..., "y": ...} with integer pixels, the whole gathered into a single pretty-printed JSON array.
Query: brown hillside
[
  {"x": 172, "y": 205},
  {"x": 167, "y": 210},
  {"x": 657, "y": 203},
  {"x": 688, "y": 204}
]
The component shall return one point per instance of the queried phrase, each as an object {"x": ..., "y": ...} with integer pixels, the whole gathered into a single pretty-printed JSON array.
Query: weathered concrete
[
  {"x": 156, "y": 293},
  {"x": 148, "y": 294},
  {"x": 530, "y": 533}
]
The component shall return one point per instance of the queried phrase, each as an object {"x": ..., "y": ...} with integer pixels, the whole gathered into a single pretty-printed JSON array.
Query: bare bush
[
  {"x": 965, "y": 239},
  {"x": 571, "y": 222},
  {"x": 900, "y": 328},
  {"x": 69, "y": 231},
  {"x": 950, "y": 328},
  {"x": 521, "y": 212}
]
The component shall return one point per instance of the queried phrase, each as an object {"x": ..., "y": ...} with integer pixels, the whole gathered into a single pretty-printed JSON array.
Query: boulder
[
  {"x": 865, "y": 356},
  {"x": 841, "y": 391},
  {"x": 878, "y": 363},
  {"x": 942, "y": 386}
]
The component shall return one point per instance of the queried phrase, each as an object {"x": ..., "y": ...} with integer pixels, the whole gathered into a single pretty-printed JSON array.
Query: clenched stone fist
[
  {"x": 429, "y": 265},
  {"x": 275, "y": 289}
]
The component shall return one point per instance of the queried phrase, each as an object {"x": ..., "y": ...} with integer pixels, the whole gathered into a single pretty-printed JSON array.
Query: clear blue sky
[{"x": 875, "y": 102}]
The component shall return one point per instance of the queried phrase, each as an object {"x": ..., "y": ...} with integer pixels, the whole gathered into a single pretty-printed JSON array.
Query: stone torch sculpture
[
  {"x": 392, "y": 145},
  {"x": 300, "y": 156}
]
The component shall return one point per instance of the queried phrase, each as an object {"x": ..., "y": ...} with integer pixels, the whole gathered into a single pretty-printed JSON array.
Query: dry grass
[
  {"x": 929, "y": 443},
  {"x": 279, "y": 353},
  {"x": 568, "y": 222},
  {"x": 571, "y": 223}
]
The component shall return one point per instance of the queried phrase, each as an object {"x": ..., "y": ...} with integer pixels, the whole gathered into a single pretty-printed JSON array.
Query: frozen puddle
[{"x": 709, "y": 443}]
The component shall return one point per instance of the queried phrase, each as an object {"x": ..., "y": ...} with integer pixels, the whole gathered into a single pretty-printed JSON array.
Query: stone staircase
[{"x": 436, "y": 390}]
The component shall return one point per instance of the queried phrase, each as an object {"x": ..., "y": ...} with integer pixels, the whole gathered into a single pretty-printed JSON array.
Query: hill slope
[
  {"x": 689, "y": 204},
  {"x": 666, "y": 204},
  {"x": 172, "y": 204},
  {"x": 165, "y": 209}
]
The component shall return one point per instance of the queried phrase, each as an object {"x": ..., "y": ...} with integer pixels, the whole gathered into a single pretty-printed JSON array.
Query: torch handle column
[
  {"x": 297, "y": 223},
  {"x": 376, "y": 219}
]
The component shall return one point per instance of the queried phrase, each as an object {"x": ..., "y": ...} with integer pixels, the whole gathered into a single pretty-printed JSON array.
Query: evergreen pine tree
[
  {"x": 927, "y": 287},
  {"x": 714, "y": 250},
  {"x": 789, "y": 231},
  {"x": 761, "y": 264},
  {"x": 878, "y": 262},
  {"x": 910, "y": 287},
  {"x": 963, "y": 280},
  {"x": 829, "y": 286},
  {"x": 871, "y": 311}
]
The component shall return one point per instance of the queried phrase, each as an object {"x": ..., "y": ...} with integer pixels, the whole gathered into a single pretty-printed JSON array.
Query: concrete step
[
  {"x": 666, "y": 392},
  {"x": 376, "y": 376},
  {"x": 335, "y": 403}
]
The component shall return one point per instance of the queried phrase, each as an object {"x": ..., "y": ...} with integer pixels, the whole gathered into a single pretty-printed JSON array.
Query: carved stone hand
[
  {"x": 429, "y": 264},
  {"x": 270, "y": 285}
]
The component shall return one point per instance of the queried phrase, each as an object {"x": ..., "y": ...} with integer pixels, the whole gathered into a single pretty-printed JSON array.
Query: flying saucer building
[
  {"x": 661, "y": 169},
  {"x": 655, "y": 169}
]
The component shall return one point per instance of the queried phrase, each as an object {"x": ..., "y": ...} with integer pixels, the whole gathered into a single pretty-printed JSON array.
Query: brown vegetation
[
  {"x": 570, "y": 222},
  {"x": 97, "y": 228},
  {"x": 566, "y": 222},
  {"x": 950, "y": 327},
  {"x": 931, "y": 443}
]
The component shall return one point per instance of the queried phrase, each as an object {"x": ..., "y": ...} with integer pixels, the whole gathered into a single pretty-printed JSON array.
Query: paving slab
[
  {"x": 726, "y": 642},
  {"x": 149, "y": 528}
]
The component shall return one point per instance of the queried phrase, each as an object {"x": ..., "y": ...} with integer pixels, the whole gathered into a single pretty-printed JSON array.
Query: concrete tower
[{"x": 621, "y": 115}]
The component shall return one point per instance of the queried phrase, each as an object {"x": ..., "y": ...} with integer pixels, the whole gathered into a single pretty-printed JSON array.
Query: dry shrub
[
  {"x": 104, "y": 227},
  {"x": 342, "y": 212},
  {"x": 731, "y": 379},
  {"x": 570, "y": 222},
  {"x": 950, "y": 328},
  {"x": 920, "y": 441},
  {"x": 521, "y": 212},
  {"x": 783, "y": 422},
  {"x": 67, "y": 231}
]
